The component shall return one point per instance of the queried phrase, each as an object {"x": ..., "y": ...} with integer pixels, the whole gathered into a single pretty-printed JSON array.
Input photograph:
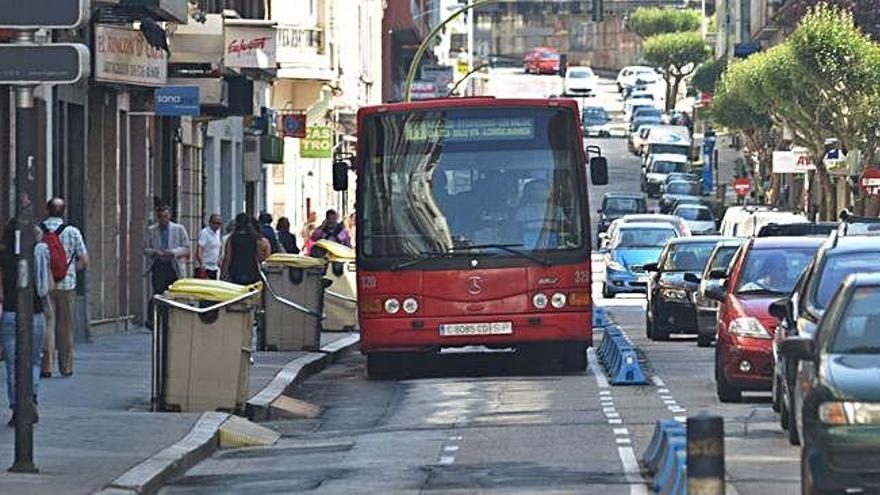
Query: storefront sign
[
  {"x": 250, "y": 47},
  {"x": 792, "y": 162},
  {"x": 122, "y": 55},
  {"x": 177, "y": 101},
  {"x": 318, "y": 142}
]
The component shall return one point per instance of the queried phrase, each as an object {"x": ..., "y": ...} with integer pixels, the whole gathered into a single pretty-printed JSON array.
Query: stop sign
[
  {"x": 870, "y": 181},
  {"x": 742, "y": 186}
]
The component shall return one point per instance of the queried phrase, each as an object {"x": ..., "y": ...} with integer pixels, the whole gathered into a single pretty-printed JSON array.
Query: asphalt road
[{"x": 493, "y": 423}]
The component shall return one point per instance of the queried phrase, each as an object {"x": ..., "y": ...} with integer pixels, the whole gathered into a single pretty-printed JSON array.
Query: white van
[
  {"x": 750, "y": 223},
  {"x": 668, "y": 139}
]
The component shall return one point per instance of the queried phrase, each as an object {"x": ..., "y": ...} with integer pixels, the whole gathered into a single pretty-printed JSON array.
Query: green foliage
[
  {"x": 676, "y": 51},
  {"x": 708, "y": 73},
  {"x": 649, "y": 21}
]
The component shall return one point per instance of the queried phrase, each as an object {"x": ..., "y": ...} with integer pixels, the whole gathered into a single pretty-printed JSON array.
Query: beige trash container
[
  {"x": 340, "y": 298},
  {"x": 294, "y": 302},
  {"x": 207, "y": 354}
]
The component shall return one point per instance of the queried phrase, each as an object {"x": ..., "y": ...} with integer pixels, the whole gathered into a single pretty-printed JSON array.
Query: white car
[
  {"x": 628, "y": 75},
  {"x": 699, "y": 218},
  {"x": 579, "y": 81},
  {"x": 657, "y": 167}
]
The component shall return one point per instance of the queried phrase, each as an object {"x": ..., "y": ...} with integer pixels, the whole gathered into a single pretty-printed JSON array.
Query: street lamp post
[{"x": 423, "y": 47}]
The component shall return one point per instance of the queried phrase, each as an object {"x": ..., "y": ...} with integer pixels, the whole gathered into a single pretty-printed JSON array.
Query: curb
[{"x": 203, "y": 439}]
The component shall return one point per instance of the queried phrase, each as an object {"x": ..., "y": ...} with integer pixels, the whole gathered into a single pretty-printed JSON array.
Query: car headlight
[
  {"x": 558, "y": 300},
  {"x": 540, "y": 300},
  {"x": 616, "y": 266},
  {"x": 392, "y": 306},
  {"x": 849, "y": 413},
  {"x": 749, "y": 327},
  {"x": 672, "y": 294},
  {"x": 410, "y": 305}
]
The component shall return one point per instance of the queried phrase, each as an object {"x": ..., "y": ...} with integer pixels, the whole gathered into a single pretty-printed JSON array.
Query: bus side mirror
[
  {"x": 340, "y": 176},
  {"x": 599, "y": 170}
]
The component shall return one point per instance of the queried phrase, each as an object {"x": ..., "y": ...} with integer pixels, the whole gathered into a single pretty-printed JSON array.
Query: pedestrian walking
[
  {"x": 9, "y": 310},
  {"x": 332, "y": 230},
  {"x": 67, "y": 254},
  {"x": 245, "y": 249},
  {"x": 285, "y": 236},
  {"x": 166, "y": 247},
  {"x": 306, "y": 233},
  {"x": 208, "y": 248},
  {"x": 269, "y": 233}
]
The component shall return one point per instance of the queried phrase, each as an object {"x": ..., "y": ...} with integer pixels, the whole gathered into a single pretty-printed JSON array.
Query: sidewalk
[{"x": 96, "y": 425}]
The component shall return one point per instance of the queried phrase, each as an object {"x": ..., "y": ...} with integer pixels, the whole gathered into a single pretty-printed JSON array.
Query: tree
[
  {"x": 707, "y": 75},
  {"x": 649, "y": 21},
  {"x": 678, "y": 54},
  {"x": 866, "y": 13}
]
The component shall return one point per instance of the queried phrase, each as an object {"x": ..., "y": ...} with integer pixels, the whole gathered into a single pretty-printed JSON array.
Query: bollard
[{"x": 705, "y": 455}]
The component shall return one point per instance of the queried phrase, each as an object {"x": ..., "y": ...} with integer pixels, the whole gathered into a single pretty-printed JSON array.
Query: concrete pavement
[{"x": 96, "y": 424}]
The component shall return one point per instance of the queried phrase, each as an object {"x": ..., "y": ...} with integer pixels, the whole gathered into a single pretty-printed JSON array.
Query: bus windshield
[{"x": 436, "y": 181}]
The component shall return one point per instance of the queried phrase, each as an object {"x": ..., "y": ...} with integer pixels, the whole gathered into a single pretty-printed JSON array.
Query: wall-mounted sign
[
  {"x": 177, "y": 101},
  {"x": 293, "y": 125},
  {"x": 60, "y": 63},
  {"x": 122, "y": 55},
  {"x": 318, "y": 142},
  {"x": 250, "y": 47},
  {"x": 36, "y": 14}
]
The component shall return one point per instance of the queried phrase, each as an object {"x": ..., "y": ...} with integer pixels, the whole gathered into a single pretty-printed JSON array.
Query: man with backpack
[{"x": 67, "y": 254}]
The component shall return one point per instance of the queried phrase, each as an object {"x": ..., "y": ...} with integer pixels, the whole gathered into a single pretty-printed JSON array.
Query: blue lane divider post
[
  {"x": 599, "y": 319},
  {"x": 618, "y": 355}
]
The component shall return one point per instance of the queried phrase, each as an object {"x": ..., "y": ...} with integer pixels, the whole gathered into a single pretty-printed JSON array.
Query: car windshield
[
  {"x": 623, "y": 206},
  {"x": 645, "y": 237},
  {"x": 675, "y": 149},
  {"x": 688, "y": 257},
  {"x": 664, "y": 167},
  {"x": 550, "y": 56},
  {"x": 694, "y": 214},
  {"x": 595, "y": 113},
  {"x": 858, "y": 331},
  {"x": 645, "y": 112},
  {"x": 437, "y": 180},
  {"x": 837, "y": 267},
  {"x": 686, "y": 188},
  {"x": 579, "y": 73},
  {"x": 722, "y": 257},
  {"x": 773, "y": 271}
]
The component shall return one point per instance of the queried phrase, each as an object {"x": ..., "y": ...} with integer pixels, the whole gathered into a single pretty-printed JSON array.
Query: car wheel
[
  {"x": 607, "y": 294},
  {"x": 794, "y": 437},
  {"x": 574, "y": 356},
  {"x": 783, "y": 416},
  {"x": 726, "y": 392},
  {"x": 704, "y": 340},
  {"x": 649, "y": 326}
]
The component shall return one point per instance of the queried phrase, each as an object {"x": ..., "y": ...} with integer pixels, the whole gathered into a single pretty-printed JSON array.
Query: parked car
[
  {"x": 765, "y": 269},
  {"x": 542, "y": 60},
  {"x": 699, "y": 218},
  {"x": 628, "y": 75},
  {"x": 579, "y": 81},
  {"x": 676, "y": 222},
  {"x": 633, "y": 246},
  {"x": 838, "y": 393},
  {"x": 800, "y": 312},
  {"x": 658, "y": 167},
  {"x": 717, "y": 268},
  {"x": 616, "y": 205},
  {"x": 672, "y": 283},
  {"x": 596, "y": 122},
  {"x": 678, "y": 190}
]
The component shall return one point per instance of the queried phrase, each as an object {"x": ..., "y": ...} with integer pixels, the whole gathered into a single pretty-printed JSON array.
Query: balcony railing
[{"x": 302, "y": 39}]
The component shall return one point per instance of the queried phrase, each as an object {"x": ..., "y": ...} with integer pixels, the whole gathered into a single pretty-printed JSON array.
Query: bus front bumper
[{"x": 404, "y": 333}]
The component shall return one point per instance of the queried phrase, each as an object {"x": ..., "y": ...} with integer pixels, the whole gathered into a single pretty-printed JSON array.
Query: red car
[
  {"x": 765, "y": 269},
  {"x": 541, "y": 61}
]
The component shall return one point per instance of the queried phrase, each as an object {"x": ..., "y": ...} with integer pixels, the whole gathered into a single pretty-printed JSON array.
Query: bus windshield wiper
[
  {"x": 509, "y": 248},
  {"x": 420, "y": 258}
]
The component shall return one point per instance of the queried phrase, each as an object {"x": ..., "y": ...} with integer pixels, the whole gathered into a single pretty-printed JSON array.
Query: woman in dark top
[
  {"x": 9, "y": 309},
  {"x": 245, "y": 249},
  {"x": 287, "y": 239}
]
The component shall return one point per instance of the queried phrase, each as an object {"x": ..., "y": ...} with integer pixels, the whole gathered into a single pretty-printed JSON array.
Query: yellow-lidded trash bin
[
  {"x": 340, "y": 298},
  {"x": 294, "y": 302},
  {"x": 204, "y": 347}
]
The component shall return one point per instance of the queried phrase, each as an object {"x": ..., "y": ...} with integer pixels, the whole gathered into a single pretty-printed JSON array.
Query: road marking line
[
  {"x": 621, "y": 431},
  {"x": 658, "y": 381},
  {"x": 612, "y": 415},
  {"x": 662, "y": 390},
  {"x": 594, "y": 367},
  {"x": 450, "y": 448},
  {"x": 608, "y": 410},
  {"x": 632, "y": 471},
  {"x": 615, "y": 421},
  {"x": 624, "y": 441},
  {"x": 455, "y": 439},
  {"x": 681, "y": 419},
  {"x": 605, "y": 393},
  {"x": 447, "y": 459}
]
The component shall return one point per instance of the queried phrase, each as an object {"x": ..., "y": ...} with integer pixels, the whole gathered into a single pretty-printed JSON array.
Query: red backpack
[{"x": 58, "y": 262}]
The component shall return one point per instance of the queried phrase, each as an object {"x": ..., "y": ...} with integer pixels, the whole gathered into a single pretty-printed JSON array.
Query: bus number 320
[{"x": 581, "y": 277}]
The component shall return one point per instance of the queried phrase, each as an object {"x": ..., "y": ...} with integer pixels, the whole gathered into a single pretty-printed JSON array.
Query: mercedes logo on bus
[{"x": 475, "y": 285}]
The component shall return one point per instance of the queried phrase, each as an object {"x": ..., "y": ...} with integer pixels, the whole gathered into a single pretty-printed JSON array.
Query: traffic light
[{"x": 598, "y": 10}]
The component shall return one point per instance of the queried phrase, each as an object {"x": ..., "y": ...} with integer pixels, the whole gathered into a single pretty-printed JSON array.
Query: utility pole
[{"x": 25, "y": 194}]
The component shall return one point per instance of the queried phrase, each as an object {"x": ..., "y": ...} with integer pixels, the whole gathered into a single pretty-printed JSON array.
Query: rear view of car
[
  {"x": 699, "y": 218},
  {"x": 596, "y": 122},
  {"x": 579, "y": 81},
  {"x": 632, "y": 247},
  {"x": 615, "y": 206}
]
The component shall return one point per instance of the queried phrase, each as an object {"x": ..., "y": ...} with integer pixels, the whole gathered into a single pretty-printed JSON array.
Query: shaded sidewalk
[{"x": 96, "y": 424}]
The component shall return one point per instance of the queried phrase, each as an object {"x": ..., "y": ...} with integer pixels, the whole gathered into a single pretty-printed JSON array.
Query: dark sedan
[
  {"x": 615, "y": 206},
  {"x": 673, "y": 282},
  {"x": 677, "y": 190},
  {"x": 838, "y": 393}
]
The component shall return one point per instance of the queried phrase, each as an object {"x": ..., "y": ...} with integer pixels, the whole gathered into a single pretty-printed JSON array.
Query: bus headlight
[
  {"x": 392, "y": 306},
  {"x": 410, "y": 305},
  {"x": 540, "y": 300},
  {"x": 558, "y": 300}
]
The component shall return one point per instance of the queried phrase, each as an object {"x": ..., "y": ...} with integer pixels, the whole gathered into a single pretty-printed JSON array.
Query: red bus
[{"x": 473, "y": 229}]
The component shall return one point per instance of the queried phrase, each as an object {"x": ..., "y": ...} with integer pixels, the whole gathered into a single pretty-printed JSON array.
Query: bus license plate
[{"x": 500, "y": 328}]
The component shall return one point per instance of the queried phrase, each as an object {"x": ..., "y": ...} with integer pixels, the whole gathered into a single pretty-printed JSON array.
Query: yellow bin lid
[
  {"x": 336, "y": 251},
  {"x": 295, "y": 261},
  {"x": 211, "y": 290}
]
